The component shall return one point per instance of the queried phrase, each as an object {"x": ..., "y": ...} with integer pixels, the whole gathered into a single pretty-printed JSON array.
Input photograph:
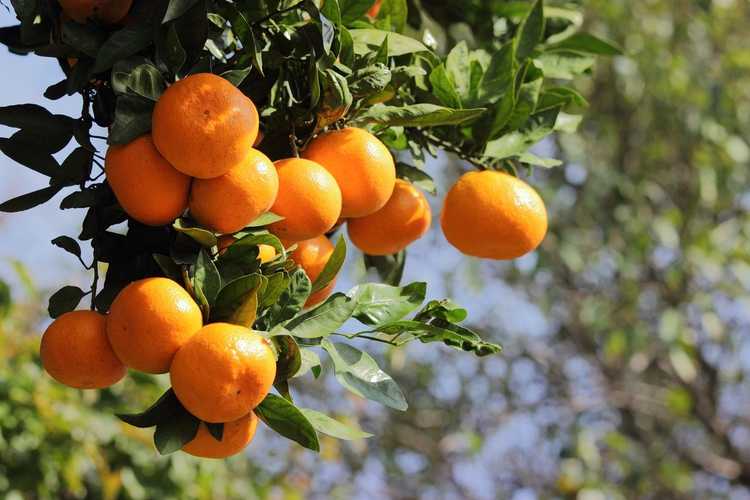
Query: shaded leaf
[
  {"x": 29, "y": 200},
  {"x": 417, "y": 115},
  {"x": 64, "y": 300},
  {"x": 164, "y": 407},
  {"x": 332, "y": 267},
  {"x": 68, "y": 244},
  {"x": 326, "y": 425},
  {"x": 324, "y": 319},
  {"x": 286, "y": 419}
]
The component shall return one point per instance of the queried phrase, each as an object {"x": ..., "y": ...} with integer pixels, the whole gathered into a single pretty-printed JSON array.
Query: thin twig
[{"x": 94, "y": 283}]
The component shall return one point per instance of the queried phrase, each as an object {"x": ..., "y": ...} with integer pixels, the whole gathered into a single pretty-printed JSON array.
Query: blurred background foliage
[{"x": 626, "y": 355}]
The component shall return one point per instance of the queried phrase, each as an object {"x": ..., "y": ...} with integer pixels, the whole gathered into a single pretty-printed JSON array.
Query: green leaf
[
  {"x": 206, "y": 277},
  {"x": 532, "y": 159},
  {"x": 531, "y": 31},
  {"x": 68, "y": 244},
  {"x": 378, "y": 303},
  {"x": 398, "y": 45},
  {"x": 417, "y": 115},
  {"x": 163, "y": 409},
  {"x": 206, "y": 238},
  {"x": 293, "y": 299},
  {"x": 560, "y": 96},
  {"x": 289, "y": 358},
  {"x": 277, "y": 284},
  {"x": 358, "y": 372},
  {"x": 443, "y": 87},
  {"x": 64, "y": 300},
  {"x": 500, "y": 75},
  {"x": 351, "y": 10},
  {"x": 444, "y": 309},
  {"x": 370, "y": 80},
  {"x": 416, "y": 176},
  {"x": 122, "y": 44},
  {"x": 236, "y": 76},
  {"x": 458, "y": 69},
  {"x": 265, "y": 219},
  {"x": 587, "y": 44},
  {"x": 309, "y": 361},
  {"x": 247, "y": 312},
  {"x": 567, "y": 123},
  {"x": 171, "y": 435},
  {"x": 169, "y": 49},
  {"x": 538, "y": 126},
  {"x": 326, "y": 425},
  {"x": 332, "y": 267},
  {"x": 286, "y": 419},
  {"x": 132, "y": 119},
  {"x": 177, "y": 8},
  {"x": 564, "y": 66},
  {"x": 146, "y": 81},
  {"x": 396, "y": 11},
  {"x": 233, "y": 295},
  {"x": 29, "y": 200},
  {"x": 324, "y": 319},
  {"x": 168, "y": 266},
  {"x": 332, "y": 11},
  {"x": 390, "y": 268}
]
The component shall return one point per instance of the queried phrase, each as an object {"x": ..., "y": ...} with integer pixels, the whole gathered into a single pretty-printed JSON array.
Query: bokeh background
[{"x": 627, "y": 352}]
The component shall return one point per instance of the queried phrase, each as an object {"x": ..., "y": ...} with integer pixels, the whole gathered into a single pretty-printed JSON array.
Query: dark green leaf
[
  {"x": 123, "y": 43},
  {"x": 332, "y": 267},
  {"x": 326, "y": 425},
  {"x": 265, "y": 219},
  {"x": 443, "y": 87},
  {"x": 358, "y": 372},
  {"x": 289, "y": 357},
  {"x": 146, "y": 81},
  {"x": 233, "y": 295},
  {"x": 168, "y": 266},
  {"x": 68, "y": 244},
  {"x": 418, "y": 177},
  {"x": 531, "y": 31},
  {"x": 29, "y": 200},
  {"x": 202, "y": 236},
  {"x": 236, "y": 76},
  {"x": 351, "y": 10},
  {"x": 173, "y": 434},
  {"x": 132, "y": 119},
  {"x": 286, "y": 419},
  {"x": 324, "y": 319},
  {"x": 444, "y": 309},
  {"x": 390, "y": 268},
  {"x": 76, "y": 168},
  {"x": 163, "y": 409},
  {"x": 207, "y": 277},
  {"x": 293, "y": 299},
  {"x": 169, "y": 49},
  {"x": 64, "y": 300},
  {"x": 29, "y": 154},
  {"x": 85, "y": 38},
  {"x": 216, "y": 430},
  {"x": 177, "y": 8},
  {"x": 457, "y": 66}
]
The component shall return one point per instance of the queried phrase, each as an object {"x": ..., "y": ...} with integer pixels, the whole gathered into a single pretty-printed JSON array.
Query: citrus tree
[{"x": 234, "y": 139}]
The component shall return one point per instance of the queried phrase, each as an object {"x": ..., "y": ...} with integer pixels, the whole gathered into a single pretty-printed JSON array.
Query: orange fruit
[
  {"x": 404, "y": 219},
  {"x": 148, "y": 188},
  {"x": 266, "y": 253},
  {"x": 101, "y": 11},
  {"x": 75, "y": 351},
  {"x": 375, "y": 9},
  {"x": 204, "y": 125},
  {"x": 237, "y": 435},
  {"x": 312, "y": 256},
  {"x": 223, "y": 372},
  {"x": 228, "y": 203},
  {"x": 149, "y": 321},
  {"x": 309, "y": 199},
  {"x": 493, "y": 215},
  {"x": 362, "y": 165}
]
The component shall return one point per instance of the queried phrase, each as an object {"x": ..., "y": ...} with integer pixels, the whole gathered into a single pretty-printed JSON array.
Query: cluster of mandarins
[{"x": 200, "y": 157}]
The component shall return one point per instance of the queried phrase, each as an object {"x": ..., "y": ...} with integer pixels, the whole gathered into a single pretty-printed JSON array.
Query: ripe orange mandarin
[
  {"x": 75, "y": 351},
  {"x": 493, "y": 215},
  {"x": 309, "y": 200},
  {"x": 149, "y": 321},
  {"x": 312, "y": 256},
  {"x": 362, "y": 166},
  {"x": 237, "y": 435},
  {"x": 204, "y": 125},
  {"x": 228, "y": 203},
  {"x": 375, "y": 9},
  {"x": 148, "y": 188},
  {"x": 223, "y": 372},
  {"x": 102, "y": 11},
  {"x": 404, "y": 219}
]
